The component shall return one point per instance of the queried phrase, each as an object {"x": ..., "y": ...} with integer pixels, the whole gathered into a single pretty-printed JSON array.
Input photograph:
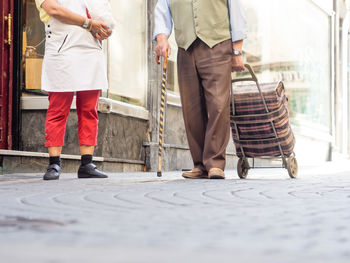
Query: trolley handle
[
  {"x": 252, "y": 73},
  {"x": 255, "y": 79}
]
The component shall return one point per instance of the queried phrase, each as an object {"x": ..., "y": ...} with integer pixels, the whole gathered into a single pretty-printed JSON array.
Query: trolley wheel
[
  {"x": 292, "y": 167},
  {"x": 242, "y": 168}
]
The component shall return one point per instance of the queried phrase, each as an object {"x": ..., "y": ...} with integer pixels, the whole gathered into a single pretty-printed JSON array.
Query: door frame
[
  {"x": 6, "y": 72},
  {"x": 12, "y": 87}
]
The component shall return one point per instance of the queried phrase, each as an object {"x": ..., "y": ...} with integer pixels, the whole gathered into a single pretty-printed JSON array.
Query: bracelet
[
  {"x": 86, "y": 23},
  {"x": 90, "y": 25}
]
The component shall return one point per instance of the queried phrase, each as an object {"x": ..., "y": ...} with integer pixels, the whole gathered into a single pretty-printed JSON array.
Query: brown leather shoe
[
  {"x": 196, "y": 173},
  {"x": 216, "y": 173}
]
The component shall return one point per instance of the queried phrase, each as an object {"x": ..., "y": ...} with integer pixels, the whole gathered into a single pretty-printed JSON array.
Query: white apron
[{"x": 74, "y": 60}]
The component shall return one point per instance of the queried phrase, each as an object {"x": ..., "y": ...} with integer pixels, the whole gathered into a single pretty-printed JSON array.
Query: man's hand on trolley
[{"x": 237, "y": 60}]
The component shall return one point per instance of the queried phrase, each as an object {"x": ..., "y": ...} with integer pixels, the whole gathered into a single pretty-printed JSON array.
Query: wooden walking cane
[{"x": 161, "y": 117}]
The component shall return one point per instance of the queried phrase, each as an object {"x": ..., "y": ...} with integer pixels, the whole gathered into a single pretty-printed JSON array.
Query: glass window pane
[
  {"x": 326, "y": 4},
  {"x": 128, "y": 52},
  {"x": 33, "y": 47},
  {"x": 290, "y": 40}
]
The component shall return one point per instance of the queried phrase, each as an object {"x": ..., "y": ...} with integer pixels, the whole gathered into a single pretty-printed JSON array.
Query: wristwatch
[
  {"x": 237, "y": 52},
  {"x": 86, "y": 23}
]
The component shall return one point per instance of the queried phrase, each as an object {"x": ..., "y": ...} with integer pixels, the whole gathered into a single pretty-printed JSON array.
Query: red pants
[{"x": 58, "y": 111}]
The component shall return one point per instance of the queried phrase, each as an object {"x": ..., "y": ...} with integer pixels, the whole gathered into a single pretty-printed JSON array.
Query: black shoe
[
  {"x": 53, "y": 172},
  {"x": 90, "y": 171}
]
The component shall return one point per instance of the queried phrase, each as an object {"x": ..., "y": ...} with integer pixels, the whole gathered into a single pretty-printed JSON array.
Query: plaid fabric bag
[{"x": 249, "y": 119}]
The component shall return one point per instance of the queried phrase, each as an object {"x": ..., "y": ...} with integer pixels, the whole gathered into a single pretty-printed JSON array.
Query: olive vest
[{"x": 205, "y": 19}]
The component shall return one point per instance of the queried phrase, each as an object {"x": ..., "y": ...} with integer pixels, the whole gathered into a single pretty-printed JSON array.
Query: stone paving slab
[{"x": 137, "y": 217}]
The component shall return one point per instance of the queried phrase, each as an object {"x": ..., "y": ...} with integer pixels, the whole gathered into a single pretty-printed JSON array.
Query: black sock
[
  {"x": 55, "y": 160},
  {"x": 86, "y": 159}
]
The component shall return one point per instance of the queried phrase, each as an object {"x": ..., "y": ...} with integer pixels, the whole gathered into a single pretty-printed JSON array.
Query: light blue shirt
[{"x": 164, "y": 22}]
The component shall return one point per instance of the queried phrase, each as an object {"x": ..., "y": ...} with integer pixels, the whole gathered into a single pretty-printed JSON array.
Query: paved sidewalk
[{"x": 140, "y": 218}]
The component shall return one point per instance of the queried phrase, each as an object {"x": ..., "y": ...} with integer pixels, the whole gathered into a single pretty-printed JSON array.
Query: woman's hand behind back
[{"x": 100, "y": 30}]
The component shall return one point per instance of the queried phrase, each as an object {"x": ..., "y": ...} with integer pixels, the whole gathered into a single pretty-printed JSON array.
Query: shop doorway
[{"x": 6, "y": 72}]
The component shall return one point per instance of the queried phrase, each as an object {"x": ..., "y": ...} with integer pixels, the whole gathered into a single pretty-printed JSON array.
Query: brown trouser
[{"x": 204, "y": 81}]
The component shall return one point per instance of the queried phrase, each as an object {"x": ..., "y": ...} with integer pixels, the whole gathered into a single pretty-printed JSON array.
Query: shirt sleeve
[
  {"x": 43, "y": 15},
  {"x": 163, "y": 22},
  {"x": 238, "y": 22},
  {"x": 39, "y": 3}
]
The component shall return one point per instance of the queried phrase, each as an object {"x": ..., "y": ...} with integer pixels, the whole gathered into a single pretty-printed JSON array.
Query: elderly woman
[{"x": 73, "y": 64}]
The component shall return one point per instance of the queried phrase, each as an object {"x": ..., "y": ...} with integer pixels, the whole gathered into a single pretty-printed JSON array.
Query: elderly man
[{"x": 210, "y": 36}]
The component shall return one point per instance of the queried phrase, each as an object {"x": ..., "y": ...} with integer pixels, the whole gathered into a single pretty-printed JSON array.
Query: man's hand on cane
[
  {"x": 237, "y": 60},
  {"x": 163, "y": 48}
]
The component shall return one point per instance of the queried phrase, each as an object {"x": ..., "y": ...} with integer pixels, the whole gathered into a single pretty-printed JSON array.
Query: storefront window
[
  {"x": 128, "y": 52},
  {"x": 290, "y": 40}
]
